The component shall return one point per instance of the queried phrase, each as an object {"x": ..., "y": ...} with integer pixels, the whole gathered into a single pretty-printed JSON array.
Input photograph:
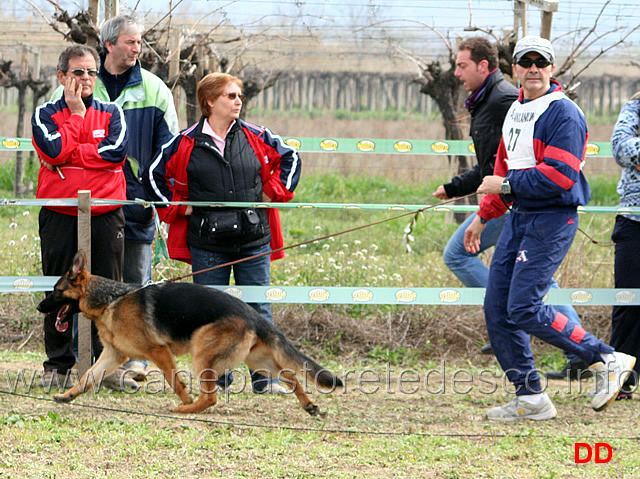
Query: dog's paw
[
  {"x": 314, "y": 410},
  {"x": 62, "y": 398}
]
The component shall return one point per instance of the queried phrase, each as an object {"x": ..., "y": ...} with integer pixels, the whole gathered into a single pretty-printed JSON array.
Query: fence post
[{"x": 84, "y": 242}]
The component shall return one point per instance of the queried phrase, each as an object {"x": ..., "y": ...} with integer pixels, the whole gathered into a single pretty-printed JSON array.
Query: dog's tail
[{"x": 288, "y": 356}]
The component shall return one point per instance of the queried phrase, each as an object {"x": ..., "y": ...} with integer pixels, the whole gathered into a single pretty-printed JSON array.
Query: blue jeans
[
  {"x": 137, "y": 262},
  {"x": 254, "y": 272},
  {"x": 473, "y": 273}
]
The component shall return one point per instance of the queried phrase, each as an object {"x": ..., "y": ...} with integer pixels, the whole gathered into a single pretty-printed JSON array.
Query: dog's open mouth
[{"x": 62, "y": 324}]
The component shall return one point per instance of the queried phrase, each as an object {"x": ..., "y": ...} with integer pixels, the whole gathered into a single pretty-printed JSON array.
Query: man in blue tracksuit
[{"x": 538, "y": 171}]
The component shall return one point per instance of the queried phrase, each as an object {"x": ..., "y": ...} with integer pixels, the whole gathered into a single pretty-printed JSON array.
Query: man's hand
[
  {"x": 73, "y": 97},
  {"x": 491, "y": 185},
  {"x": 440, "y": 193},
  {"x": 48, "y": 166},
  {"x": 472, "y": 235},
  {"x": 265, "y": 198}
]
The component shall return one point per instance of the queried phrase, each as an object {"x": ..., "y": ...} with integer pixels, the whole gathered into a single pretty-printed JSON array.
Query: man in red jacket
[{"x": 81, "y": 143}]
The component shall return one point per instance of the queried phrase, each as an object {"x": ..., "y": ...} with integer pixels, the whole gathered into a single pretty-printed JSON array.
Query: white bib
[{"x": 518, "y": 126}]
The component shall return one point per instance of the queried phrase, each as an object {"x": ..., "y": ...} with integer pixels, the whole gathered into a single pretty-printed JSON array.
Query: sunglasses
[
  {"x": 81, "y": 71},
  {"x": 539, "y": 62},
  {"x": 234, "y": 95}
]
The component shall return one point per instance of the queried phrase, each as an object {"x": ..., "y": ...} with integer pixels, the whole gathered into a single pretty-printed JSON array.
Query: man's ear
[{"x": 61, "y": 77}]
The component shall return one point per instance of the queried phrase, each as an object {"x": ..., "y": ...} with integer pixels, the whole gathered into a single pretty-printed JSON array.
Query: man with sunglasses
[
  {"x": 538, "y": 175},
  {"x": 152, "y": 120},
  {"x": 488, "y": 102},
  {"x": 81, "y": 142}
]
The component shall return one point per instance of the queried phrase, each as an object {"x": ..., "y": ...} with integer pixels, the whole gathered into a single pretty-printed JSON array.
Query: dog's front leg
[
  {"x": 163, "y": 358},
  {"x": 108, "y": 362}
]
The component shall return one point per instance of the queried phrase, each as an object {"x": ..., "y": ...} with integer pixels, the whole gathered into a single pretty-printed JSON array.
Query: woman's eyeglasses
[
  {"x": 80, "y": 71},
  {"x": 234, "y": 95},
  {"x": 539, "y": 62}
]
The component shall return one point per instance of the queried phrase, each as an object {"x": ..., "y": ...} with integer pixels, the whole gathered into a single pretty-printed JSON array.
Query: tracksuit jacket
[
  {"x": 88, "y": 151},
  {"x": 151, "y": 117},
  {"x": 552, "y": 175},
  {"x": 541, "y": 153},
  {"x": 168, "y": 179}
]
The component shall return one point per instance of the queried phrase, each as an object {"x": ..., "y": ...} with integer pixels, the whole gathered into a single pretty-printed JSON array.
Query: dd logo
[{"x": 598, "y": 446}]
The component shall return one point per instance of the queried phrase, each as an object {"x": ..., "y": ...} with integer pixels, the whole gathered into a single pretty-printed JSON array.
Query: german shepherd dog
[{"x": 160, "y": 321}]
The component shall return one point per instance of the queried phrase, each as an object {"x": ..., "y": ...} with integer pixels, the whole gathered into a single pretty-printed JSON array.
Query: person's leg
[
  {"x": 257, "y": 272},
  {"x": 467, "y": 267},
  {"x": 625, "y": 320},
  {"x": 107, "y": 260},
  {"x": 137, "y": 269},
  {"x": 58, "y": 243},
  {"x": 511, "y": 345},
  {"x": 137, "y": 262},
  {"x": 201, "y": 260},
  {"x": 545, "y": 242},
  {"x": 575, "y": 367}
]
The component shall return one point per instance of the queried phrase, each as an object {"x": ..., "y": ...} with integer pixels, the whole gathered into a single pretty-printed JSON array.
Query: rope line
[{"x": 315, "y": 429}]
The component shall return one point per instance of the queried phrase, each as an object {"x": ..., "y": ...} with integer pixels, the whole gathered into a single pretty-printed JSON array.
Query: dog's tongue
[{"x": 62, "y": 325}]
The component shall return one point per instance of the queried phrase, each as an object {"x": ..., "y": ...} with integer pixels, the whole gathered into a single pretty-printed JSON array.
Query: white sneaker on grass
[
  {"x": 610, "y": 378},
  {"x": 520, "y": 409}
]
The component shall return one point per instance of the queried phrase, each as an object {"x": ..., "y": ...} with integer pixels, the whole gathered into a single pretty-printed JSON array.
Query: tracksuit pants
[{"x": 528, "y": 253}]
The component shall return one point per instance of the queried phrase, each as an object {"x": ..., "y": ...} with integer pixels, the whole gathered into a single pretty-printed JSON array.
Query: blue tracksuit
[{"x": 542, "y": 152}]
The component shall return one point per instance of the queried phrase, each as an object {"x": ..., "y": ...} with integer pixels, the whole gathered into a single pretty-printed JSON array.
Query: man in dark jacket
[{"x": 489, "y": 100}]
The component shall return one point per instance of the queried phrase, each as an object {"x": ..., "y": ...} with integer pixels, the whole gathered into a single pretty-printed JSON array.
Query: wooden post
[
  {"x": 84, "y": 242},
  {"x": 547, "y": 7},
  {"x": 519, "y": 18}
]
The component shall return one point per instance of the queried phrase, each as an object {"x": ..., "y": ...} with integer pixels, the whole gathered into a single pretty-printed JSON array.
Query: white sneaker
[
  {"x": 519, "y": 409},
  {"x": 275, "y": 388},
  {"x": 120, "y": 380},
  {"x": 610, "y": 378}
]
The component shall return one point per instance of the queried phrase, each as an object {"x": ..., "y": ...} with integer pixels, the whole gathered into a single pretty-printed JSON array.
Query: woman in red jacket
[{"x": 225, "y": 159}]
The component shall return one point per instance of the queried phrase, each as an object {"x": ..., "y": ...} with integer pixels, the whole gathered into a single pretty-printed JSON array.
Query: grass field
[{"x": 435, "y": 428}]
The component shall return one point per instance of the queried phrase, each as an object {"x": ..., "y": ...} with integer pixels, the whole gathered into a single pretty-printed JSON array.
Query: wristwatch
[
  {"x": 505, "y": 188},
  {"x": 482, "y": 220}
]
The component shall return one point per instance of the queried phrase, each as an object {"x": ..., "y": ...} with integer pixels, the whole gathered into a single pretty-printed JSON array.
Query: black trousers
[
  {"x": 59, "y": 243},
  {"x": 625, "y": 320}
]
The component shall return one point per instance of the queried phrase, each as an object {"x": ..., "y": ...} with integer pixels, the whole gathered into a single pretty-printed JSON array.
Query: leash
[
  {"x": 321, "y": 238},
  {"x": 595, "y": 241}
]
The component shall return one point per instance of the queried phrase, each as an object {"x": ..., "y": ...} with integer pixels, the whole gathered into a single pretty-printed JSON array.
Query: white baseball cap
[{"x": 532, "y": 43}]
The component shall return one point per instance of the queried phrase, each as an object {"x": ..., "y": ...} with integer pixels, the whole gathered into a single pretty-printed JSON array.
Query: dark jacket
[
  {"x": 487, "y": 116},
  {"x": 171, "y": 177}
]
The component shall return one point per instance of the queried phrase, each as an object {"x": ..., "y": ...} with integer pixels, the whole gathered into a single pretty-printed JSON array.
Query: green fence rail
[{"x": 356, "y": 145}]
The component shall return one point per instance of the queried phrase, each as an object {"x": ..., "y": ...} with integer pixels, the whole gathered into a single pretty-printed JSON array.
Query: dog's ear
[{"x": 79, "y": 261}]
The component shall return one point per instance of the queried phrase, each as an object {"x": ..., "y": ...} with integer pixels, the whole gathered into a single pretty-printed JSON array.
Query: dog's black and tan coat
[{"x": 161, "y": 321}]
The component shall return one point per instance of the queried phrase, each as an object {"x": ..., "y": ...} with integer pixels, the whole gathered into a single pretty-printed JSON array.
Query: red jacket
[
  {"x": 167, "y": 181},
  {"x": 88, "y": 151}
]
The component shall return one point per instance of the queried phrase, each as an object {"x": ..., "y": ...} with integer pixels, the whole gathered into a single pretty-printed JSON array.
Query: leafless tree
[
  {"x": 23, "y": 82},
  {"x": 198, "y": 53}
]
